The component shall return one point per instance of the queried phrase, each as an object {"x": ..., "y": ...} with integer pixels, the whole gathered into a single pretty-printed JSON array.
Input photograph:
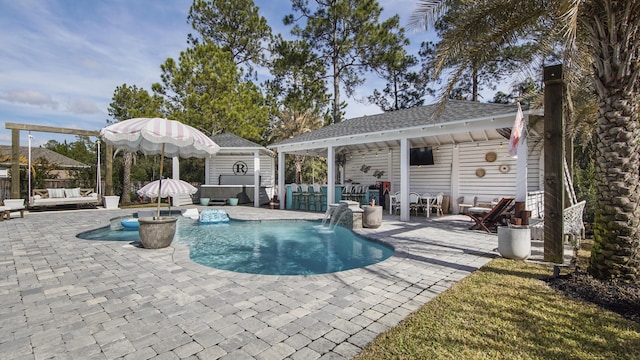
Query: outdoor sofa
[{"x": 64, "y": 196}]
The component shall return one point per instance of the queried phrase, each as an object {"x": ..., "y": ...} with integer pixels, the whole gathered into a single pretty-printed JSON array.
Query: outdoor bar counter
[{"x": 289, "y": 197}]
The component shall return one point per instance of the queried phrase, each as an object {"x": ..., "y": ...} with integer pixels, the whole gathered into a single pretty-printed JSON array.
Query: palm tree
[
  {"x": 130, "y": 102},
  {"x": 595, "y": 38},
  {"x": 293, "y": 123}
]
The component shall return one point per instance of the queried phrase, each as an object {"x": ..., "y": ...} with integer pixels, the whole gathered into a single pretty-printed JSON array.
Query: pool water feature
[{"x": 270, "y": 247}]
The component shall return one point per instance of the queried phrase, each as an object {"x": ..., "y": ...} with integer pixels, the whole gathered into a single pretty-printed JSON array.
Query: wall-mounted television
[{"x": 421, "y": 156}]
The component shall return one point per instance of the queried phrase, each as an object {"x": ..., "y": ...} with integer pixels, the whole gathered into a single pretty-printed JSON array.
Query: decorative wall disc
[
  {"x": 504, "y": 169},
  {"x": 491, "y": 156},
  {"x": 480, "y": 172}
]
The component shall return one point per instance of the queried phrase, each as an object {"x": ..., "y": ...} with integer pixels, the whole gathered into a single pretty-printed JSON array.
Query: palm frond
[{"x": 426, "y": 13}]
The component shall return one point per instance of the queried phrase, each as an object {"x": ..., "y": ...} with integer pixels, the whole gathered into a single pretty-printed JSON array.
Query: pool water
[{"x": 268, "y": 247}]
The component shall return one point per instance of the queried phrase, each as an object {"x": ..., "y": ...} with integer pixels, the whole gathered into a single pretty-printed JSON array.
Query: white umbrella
[
  {"x": 151, "y": 135},
  {"x": 170, "y": 187},
  {"x": 159, "y": 136},
  {"x": 167, "y": 187}
]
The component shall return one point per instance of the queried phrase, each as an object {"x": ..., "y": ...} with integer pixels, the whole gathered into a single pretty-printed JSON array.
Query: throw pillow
[
  {"x": 55, "y": 193},
  {"x": 72, "y": 193}
]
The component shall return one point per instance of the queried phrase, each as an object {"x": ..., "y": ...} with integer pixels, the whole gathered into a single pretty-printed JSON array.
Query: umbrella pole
[{"x": 160, "y": 184}]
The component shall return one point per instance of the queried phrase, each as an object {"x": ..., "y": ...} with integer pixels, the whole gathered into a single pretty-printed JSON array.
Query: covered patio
[{"x": 469, "y": 142}]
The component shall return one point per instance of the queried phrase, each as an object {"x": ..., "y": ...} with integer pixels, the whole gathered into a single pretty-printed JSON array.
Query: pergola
[{"x": 15, "y": 152}]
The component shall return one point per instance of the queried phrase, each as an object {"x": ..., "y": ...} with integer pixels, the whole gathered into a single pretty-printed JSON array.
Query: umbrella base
[{"x": 157, "y": 233}]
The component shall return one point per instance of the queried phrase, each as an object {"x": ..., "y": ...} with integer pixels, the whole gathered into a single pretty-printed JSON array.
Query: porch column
[
  {"x": 175, "y": 168},
  {"x": 521, "y": 165},
  {"x": 281, "y": 189},
  {"x": 207, "y": 168},
  {"x": 331, "y": 174},
  {"x": 404, "y": 179},
  {"x": 455, "y": 179},
  {"x": 256, "y": 178}
]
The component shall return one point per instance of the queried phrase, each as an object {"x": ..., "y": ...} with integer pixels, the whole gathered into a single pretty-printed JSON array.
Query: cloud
[
  {"x": 82, "y": 106},
  {"x": 29, "y": 97}
]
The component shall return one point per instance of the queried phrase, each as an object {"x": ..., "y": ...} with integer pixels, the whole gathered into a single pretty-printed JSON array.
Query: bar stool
[
  {"x": 295, "y": 196},
  {"x": 304, "y": 199},
  {"x": 317, "y": 197},
  {"x": 346, "y": 192},
  {"x": 323, "y": 198}
]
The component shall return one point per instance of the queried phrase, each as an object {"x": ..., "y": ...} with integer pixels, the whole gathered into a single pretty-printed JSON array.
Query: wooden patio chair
[
  {"x": 414, "y": 202},
  {"x": 437, "y": 205},
  {"x": 491, "y": 218}
]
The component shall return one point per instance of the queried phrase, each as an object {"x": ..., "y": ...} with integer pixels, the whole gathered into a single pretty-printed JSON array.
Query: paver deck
[{"x": 67, "y": 298}]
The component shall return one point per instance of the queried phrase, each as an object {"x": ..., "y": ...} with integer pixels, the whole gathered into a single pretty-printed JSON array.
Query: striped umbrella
[
  {"x": 159, "y": 136},
  {"x": 170, "y": 187}
]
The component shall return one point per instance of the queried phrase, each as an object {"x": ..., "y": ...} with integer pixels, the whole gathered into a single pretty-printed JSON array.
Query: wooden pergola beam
[
  {"x": 51, "y": 129},
  {"x": 15, "y": 152}
]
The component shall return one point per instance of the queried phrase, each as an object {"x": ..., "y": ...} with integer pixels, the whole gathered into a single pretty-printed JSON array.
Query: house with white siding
[
  {"x": 469, "y": 142},
  {"x": 236, "y": 168}
]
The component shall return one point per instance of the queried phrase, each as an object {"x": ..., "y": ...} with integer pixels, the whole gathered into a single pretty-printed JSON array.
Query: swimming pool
[{"x": 272, "y": 247}]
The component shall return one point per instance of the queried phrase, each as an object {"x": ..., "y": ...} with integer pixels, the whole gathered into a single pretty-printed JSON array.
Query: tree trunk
[
  {"x": 336, "y": 92},
  {"x": 298, "y": 165},
  {"x": 474, "y": 82},
  {"x": 616, "y": 222},
  {"x": 616, "y": 250},
  {"x": 125, "y": 198},
  {"x": 336, "y": 77}
]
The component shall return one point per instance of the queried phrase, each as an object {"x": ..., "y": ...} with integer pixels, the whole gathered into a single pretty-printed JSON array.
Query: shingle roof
[
  {"x": 455, "y": 110},
  {"x": 38, "y": 152},
  {"x": 231, "y": 143},
  {"x": 229, "y": 140}
]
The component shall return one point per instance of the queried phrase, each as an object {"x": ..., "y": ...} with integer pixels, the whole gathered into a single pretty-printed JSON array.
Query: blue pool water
[{"x": 268, "y": 247}]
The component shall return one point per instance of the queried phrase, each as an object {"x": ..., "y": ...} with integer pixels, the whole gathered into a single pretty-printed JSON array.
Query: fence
[{"x": 535, "y": 203}]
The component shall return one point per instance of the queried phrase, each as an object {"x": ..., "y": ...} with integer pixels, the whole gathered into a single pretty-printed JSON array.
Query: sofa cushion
[
  {"x": 55, "y": 193},
  {"x": 71, "y": 193}
]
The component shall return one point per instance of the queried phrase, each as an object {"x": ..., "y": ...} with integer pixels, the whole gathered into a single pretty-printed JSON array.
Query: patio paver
[{"x": 66, "y": 297}]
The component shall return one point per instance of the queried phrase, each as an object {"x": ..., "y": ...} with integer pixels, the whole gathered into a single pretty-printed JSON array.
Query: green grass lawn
[{"x": 504, "y": 311}]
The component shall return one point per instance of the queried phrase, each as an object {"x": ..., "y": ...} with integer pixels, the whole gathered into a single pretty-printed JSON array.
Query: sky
[{"x": 61, "y": 60}]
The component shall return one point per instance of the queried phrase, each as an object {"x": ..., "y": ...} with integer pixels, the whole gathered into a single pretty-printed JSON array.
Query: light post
[
  {"x": 29, "y": 171},
  {"x": 98, "y": 177}
]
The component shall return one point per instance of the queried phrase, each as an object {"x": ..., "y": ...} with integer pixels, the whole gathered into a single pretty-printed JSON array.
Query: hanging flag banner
[{"x": 516, "y": 133}]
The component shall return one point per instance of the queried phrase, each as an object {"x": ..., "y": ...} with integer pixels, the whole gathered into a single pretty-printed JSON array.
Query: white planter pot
[
  {"x": 111, "y": 202},
  {"x": 514, "y": 242}
]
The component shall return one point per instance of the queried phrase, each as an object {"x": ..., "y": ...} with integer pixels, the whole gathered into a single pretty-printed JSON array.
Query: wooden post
[
  {"x": 15, "y": 164},
  {"x": 553, "y": 164},
  {"x": 108, "y": 170}
]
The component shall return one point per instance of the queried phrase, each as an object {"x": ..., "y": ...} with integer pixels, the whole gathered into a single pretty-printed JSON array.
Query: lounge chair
[{"x": 490, "y": 219}]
